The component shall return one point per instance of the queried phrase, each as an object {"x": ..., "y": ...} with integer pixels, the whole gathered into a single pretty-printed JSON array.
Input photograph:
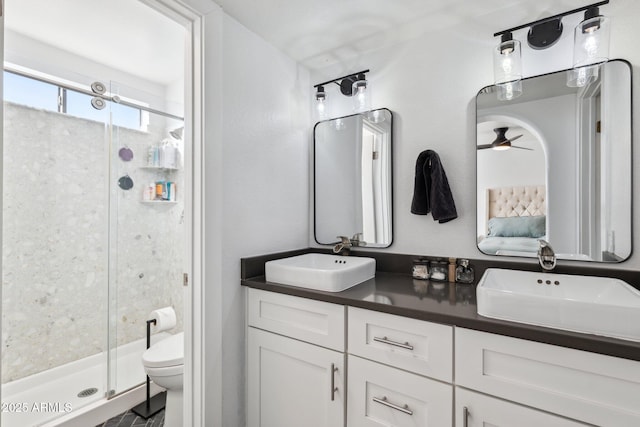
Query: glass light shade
[
  {"x": 361, "y": 96},
  {"x": 375, "y": 116},
  {"x": 582, "y": 76},
  {"x": 510, "y": 90},
  {"x": 591, "y": 42},
  {"x": 322, "y": 109},
  {"x": 507, "y": 62}
]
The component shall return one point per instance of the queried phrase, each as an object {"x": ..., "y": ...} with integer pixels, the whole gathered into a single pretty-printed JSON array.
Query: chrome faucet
[
  {"x": 345, "y": 244},
  {"x": 546, "y": 256}
]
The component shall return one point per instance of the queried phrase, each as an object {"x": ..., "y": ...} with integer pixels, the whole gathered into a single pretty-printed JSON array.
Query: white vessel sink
[
  {"x": 593, "y": 305},
  {"x": 331, "y": 273}
]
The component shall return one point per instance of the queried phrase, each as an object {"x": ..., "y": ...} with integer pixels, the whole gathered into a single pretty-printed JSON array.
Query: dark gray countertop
[{"x": 449, "y": 304}]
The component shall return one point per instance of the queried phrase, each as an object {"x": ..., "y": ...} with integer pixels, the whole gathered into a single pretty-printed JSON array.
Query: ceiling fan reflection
[{"x": 502, "y": 142}]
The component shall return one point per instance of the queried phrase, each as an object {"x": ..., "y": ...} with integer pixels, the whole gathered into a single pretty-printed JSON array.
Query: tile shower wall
[{"x": 56, "y": 241}]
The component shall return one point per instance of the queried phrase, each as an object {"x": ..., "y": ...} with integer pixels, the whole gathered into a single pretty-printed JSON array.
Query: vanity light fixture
[
  {"x": 321, "y": 103},
  {"x": 354, "y": 85},
  {"x": 507, "y": 67},
  {"x": 361, "y": 94},
  {"x": 591, "y": 48}
]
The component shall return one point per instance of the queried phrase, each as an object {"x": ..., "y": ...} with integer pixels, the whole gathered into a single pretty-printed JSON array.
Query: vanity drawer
[
  {"x": 377, "y": 395},
  {"x": 479, "y": 410},
  {"x": 588, "y": 387},
  {"x": 316, "y": 322},
  {"x": 414, "y": 345}
]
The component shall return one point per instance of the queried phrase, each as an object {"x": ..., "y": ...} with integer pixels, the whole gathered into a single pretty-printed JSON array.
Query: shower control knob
[
  {"x": 98, "y": 87},
  {"x": 98, "y": 103}
]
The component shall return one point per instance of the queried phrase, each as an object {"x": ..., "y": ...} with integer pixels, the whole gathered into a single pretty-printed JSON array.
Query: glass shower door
[
  {"x": 55, "y": 253},
  {"x": 147, "y": 239}
]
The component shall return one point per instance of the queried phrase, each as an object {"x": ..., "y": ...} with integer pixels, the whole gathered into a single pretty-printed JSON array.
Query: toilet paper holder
[{"x": 150, "y": 406}]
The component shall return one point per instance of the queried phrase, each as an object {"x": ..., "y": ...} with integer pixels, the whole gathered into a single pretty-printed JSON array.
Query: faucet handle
[
  {"x": 342, "y": 246},
  {"x": 546, "y": 255},
  {"x": 356, "y": 240}
]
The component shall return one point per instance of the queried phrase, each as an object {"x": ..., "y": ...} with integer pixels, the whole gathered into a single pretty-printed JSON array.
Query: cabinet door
[
  {"x": 292, "y": 383},
  {"x": 380, "y": 395},
  {"x": 478, "y": 410}
]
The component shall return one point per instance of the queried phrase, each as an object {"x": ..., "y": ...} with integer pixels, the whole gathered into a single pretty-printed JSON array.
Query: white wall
[
  {"x": 257, "y": 165},
  {"x": 430, "y": 84},
  {"x": 32, "y": 54},
  {"x": 256, "y": 189}
]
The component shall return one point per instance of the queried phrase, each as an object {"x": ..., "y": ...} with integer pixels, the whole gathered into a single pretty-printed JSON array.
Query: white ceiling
[
  {"x": 130, "y": 36},
  {"x": 319, "y": 33},
  {"x": 123, "y": 34}
]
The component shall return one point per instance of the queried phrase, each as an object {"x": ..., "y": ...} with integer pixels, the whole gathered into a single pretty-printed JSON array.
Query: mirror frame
[
  {"x": 391, "y": 183},
  {"x": 631, "y": 154}
]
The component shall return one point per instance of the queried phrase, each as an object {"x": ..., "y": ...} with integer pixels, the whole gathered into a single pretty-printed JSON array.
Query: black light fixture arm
[
  {"x": 539, "y": 21},
  {"x": 342, "y": 78}
]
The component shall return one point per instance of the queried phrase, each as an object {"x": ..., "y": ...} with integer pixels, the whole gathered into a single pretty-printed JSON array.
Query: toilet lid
[{"x": 168, "y": 352}]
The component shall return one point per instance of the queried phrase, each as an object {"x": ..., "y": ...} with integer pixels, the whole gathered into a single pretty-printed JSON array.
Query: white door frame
[
  {"x": 193, "y": 21},
  {"x": 194, "y": 374}
]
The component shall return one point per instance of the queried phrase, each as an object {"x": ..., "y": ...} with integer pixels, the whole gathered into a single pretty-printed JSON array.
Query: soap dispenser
[{"x": 464, "y": 272}]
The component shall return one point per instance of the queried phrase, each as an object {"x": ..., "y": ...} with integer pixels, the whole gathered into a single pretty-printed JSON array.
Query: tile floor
[{"x": 129, "y": 419}]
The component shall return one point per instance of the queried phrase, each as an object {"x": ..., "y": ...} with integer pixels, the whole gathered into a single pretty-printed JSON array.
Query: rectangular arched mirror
[{"x": 555, "y": 164}]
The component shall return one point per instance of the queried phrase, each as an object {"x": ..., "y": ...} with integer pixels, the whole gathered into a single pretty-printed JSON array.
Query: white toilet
[{"x": 164, "y": 363}]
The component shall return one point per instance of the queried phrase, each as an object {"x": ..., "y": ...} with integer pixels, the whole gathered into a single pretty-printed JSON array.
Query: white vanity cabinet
[
  {"x": 293, "y": 383},
  {"x": 307, "y": 368},
  {"x": 399, "y": 371},
  {"x": 587, "y": 387}
]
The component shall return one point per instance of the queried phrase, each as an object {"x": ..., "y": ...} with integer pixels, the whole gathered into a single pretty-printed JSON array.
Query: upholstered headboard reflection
[{"x": 516, "y": 201}]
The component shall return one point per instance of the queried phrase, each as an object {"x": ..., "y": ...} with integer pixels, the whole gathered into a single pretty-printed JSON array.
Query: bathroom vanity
[{"x": 404, "y": 352}]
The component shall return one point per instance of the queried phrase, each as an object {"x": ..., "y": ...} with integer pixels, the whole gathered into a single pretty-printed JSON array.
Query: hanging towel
[{"x": 431, "y": 192}]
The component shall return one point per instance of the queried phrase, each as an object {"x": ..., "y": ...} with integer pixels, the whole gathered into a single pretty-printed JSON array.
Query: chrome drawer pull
[
  {"x": 465, "y": 417},
  {"x": 333, "y": 382},
  {"x": 385, "y": 340},
  {"x": 384, "y": 402}
]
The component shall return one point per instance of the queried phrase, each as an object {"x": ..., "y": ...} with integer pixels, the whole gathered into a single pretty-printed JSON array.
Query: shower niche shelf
[
  {"x": 166, "y": 173},
  {"x": 159, "y": 168},
  {"x": 159, "y": 202}
]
